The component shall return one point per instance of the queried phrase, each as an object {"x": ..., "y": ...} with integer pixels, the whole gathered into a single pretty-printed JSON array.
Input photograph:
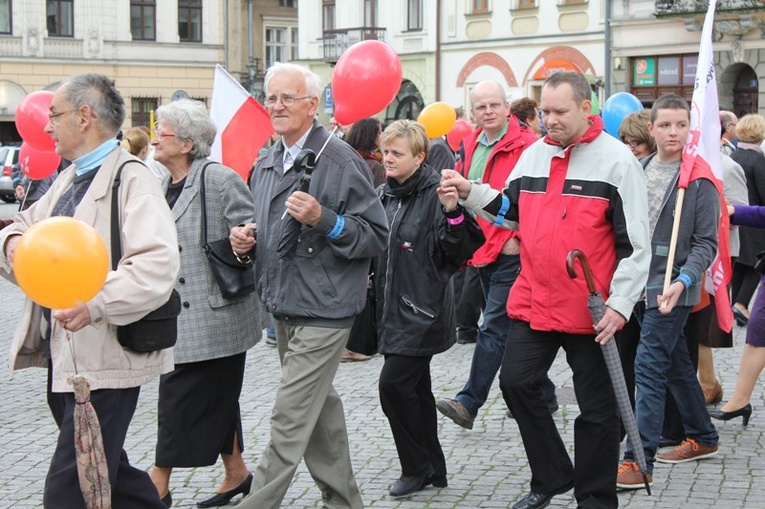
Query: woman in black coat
[
  {"x": 430, "y": 237},
  {"x": 750, "y": 132}
]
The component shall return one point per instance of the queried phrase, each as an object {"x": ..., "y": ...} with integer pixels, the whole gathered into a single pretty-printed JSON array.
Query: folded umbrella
[
  {"x": 597, "y": 307},
  {"x": 304, "y": 164}
]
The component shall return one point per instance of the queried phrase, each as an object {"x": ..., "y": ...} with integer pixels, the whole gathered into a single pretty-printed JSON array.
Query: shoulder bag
[
  {"x": 234, "y": 278},
  {"x": 159, "y": 329}
]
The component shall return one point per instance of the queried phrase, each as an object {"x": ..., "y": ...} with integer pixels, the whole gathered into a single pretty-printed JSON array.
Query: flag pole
[{"x": 673, "y": 243}]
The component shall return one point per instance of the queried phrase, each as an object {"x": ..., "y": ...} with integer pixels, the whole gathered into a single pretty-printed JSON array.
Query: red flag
[
  {"x": 244, "y": 125},
  {"x": 701, "y": 159}
]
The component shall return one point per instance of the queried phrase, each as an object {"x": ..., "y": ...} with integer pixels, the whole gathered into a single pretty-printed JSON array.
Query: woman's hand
[
  {"x": 242, "y": 238},
  {"x": 449, "y": 197},
  {"x": 10, "y": 248},
  {"x": 451, "y": 178}
]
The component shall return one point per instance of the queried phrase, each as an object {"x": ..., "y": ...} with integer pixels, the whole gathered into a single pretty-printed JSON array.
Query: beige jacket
[{"x": 142, "y": 282}]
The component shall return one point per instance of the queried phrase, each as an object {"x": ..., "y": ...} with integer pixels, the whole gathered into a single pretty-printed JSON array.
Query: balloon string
[
  {"x": 70, "y": 342},
  {"x": 26, "y": 193}
]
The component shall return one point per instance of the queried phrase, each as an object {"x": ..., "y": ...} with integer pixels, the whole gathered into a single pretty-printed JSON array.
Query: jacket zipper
[
  {"x": 388, "y": 262},
  {"x": 417, "y": 309}
]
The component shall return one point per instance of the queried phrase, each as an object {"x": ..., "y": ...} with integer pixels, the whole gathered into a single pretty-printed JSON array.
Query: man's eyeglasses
[
  {"x": 287, "y": 100},
  {"x": 53, "y": 116}
]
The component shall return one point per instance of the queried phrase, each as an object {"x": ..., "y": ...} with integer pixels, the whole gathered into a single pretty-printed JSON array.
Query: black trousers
[
  {"x": 468, "y": 302},
  {"x": 743, "y": 283},
  {"x": 131, "y": 487},
  {"x": 528, "y": 357},
  {"x": 409, "y": 405}
]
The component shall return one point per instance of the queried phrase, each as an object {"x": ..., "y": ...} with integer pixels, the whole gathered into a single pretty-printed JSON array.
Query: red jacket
[{"x": 500, "y": 163}]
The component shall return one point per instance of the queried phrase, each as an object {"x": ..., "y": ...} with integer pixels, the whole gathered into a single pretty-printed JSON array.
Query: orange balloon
[
  {"x": 61, "y": 262},
  {"x": 437, "y": 119}
]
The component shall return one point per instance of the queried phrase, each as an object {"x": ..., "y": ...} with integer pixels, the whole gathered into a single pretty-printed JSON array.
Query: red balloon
[
  {"x": 37, "y": 164},
  {"x": 461, "y": 129},
  {"x": 32, "y": 117},
  {"x": 366, "y": 79}
]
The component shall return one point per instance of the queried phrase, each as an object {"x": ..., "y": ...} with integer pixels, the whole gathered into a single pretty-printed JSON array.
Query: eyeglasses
[
  {"x": 160, "y": 135},
  {"x": 484, "y": 107},
  {"x": 633, "y": 143},
  {"x": 53, "y": 116},
  {"x": 287, "y": 100}
]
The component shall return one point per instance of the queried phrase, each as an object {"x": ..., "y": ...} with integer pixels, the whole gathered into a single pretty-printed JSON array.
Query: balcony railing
[
  {"x": 681, "y": 7},
  {"x": 337, "y": 41}
]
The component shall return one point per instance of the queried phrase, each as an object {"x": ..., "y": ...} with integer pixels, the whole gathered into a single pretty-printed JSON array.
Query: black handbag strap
[
  {"x": 204, "y": 202},
  {"x": 115, "y": 218}
]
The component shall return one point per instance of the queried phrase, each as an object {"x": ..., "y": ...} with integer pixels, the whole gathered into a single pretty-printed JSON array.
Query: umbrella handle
[{"x": 576, "y": 254}]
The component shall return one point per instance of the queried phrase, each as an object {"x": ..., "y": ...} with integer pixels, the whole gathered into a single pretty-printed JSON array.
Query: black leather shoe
[
  {"x": 534, "y": 500},
  {"x": 439, "y": 481},
  {"x": 168, "y": 500},
  {"x": 740, "y": 317},
  {"x": 224, "y": 498},
  {"x": 406, "y": 485}
]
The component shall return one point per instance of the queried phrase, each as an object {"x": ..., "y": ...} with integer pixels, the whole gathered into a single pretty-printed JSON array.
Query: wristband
[
  {"x": 685, "y": 279},
  {"x": 455, "y": 220}
]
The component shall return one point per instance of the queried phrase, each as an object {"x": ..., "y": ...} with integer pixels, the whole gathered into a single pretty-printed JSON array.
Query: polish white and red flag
[
  {"x": 244, "y": 125},
  {"x": 704, "y": 146}
]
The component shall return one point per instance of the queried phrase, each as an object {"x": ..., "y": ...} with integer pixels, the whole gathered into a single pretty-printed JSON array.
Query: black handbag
[
  {"x": 158, "y": 329},
  {"x": 234, "y": 278},
  {"x": 363, "y": 337}
]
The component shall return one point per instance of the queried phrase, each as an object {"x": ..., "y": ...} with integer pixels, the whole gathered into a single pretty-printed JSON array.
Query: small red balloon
[
  {"x": 32, "y": 117},
  {"x": 366, "y": 79},
  {"x": 37, "y": 164},
  {"x": 461, "y": 129}
]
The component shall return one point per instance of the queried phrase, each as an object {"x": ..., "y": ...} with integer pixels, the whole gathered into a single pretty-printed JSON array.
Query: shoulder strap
[
  {"x": 115, "y": 217},
  {"x": 204, "y": 202}
]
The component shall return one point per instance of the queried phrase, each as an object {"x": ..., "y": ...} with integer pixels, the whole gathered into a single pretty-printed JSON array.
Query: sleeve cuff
[
  {"x": 338, "y": 228},
  {"x": 685, "y": 279}
]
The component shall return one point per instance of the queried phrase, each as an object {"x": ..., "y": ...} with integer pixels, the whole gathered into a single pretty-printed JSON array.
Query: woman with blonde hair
[
  {"x": 430, "y": 237},
  {"x": 136, "y": 142}
]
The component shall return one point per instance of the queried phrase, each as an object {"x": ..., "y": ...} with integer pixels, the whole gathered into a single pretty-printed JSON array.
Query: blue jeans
[
  {"x": 496, "y": 280},
  {"x": 662, "y": 362}
]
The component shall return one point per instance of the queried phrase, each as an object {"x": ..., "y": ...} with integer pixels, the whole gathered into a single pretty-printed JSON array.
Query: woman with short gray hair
[{"x": 199, "y": 417}]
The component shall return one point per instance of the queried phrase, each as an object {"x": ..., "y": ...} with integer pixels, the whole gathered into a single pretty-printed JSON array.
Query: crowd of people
[{"x": 446, "y": 246}]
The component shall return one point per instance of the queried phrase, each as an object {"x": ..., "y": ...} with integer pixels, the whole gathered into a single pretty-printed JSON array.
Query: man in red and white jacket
[
  {"x": 579, "y": 189},
  {"x": 488, "y": 156}
]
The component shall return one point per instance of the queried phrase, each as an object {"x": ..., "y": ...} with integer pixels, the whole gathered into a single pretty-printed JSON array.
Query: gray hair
[
  {"x": 99, "y": 93},
  {"x": 578, "y": 82},
  {"x": 191, "y": 121},
  {"x": 312, "y": 80}
]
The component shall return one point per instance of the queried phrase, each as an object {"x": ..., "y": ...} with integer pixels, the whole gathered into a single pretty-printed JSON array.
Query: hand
[
  {"x": 241, "y": 238},
  {"x": 10, "y": 248},
  {"x": 668, "y": 300},
  {"x": 73, "y": 319},
  {"x": 20, "y": 192},
  {"x": 304, "y": 208},
  {"x": 451, "y": 178},
  {"x": 449, "y": 198},
  {"x": 611, "y": 322},
  {"x": 511, "y": 247},
  {"x": 731, "y": 210}
]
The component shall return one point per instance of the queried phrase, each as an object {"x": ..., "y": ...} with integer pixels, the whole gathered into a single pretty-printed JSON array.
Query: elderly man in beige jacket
[{"x": 85, "y": 117}]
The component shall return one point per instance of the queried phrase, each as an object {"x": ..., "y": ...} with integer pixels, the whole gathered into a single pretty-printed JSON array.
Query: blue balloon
[{"x": 616, "y": 108}]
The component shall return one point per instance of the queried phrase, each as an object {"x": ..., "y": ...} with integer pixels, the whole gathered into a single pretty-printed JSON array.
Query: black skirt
[{"x": 198, "y": 412}]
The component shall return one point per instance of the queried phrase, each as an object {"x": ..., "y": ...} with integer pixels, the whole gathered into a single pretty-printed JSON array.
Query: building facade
[{"x": 656, "y": 43}]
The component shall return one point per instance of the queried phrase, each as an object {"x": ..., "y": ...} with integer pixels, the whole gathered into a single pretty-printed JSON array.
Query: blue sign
[{"x": 329, "y": 102}]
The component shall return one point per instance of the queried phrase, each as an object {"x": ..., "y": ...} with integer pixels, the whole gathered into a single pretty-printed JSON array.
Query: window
[
  {"x": 328, "y": 15},
  {"x": 190, "y": 20},
  {"x": 60, "y": 18},
  {"x": 370, "y": 13},
  {"x": 5, "y": 17},
  {"x": 275, "y": 45},
  {"x": 480, "y": 5},
  {"x": 142, "y": 16},
  {"x": 287, "y": 3},
  {"x": 527, "y": 4},
  {"x": 414, "y": 15},
  {"x": 141, "y": 109},
  {"x": 294, "y": 43},
  {"x": 654, "y": 75}
]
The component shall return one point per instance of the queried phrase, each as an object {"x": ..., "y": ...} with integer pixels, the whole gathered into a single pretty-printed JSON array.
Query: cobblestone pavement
[{"x": 487, "y": 465}]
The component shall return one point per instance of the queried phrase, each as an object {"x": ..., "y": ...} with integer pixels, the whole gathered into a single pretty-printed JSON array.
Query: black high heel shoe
[
  {"x": 744, "y": 412},
  {"x": 740, "y": 317},
  {"x": 168, "y": 500},
  {"x": 224, "y": 498}
]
